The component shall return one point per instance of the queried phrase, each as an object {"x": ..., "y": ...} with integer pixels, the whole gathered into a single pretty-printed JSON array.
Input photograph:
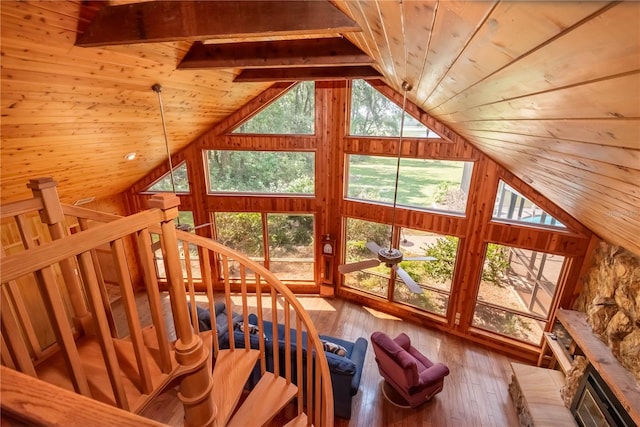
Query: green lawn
[{"x": 373, "y": 178}]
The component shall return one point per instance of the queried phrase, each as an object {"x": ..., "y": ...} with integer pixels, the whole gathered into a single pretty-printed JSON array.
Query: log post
[
  {"x": 196, "y": 387},
  {"x": 52, "y": 215}
]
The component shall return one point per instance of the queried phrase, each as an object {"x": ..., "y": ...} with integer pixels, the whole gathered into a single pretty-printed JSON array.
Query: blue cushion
[
  {"x": 337, "y": 364},
  {"x": 204, "y": 317}
]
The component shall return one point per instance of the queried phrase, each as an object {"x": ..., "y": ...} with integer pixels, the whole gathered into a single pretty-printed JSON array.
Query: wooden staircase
[{"x": 63, "y": 277}]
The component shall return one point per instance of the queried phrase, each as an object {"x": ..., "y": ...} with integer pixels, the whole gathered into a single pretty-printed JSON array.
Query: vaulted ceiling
[{"x": 550, "y": 90}]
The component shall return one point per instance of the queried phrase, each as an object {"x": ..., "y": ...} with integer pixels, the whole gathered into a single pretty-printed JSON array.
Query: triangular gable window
[
  {"x": 291, "y": 114},
  {"x": 513, "y": 206},
  {"x": 164, "y": 184},
  {"x": 373, "y": 114}
]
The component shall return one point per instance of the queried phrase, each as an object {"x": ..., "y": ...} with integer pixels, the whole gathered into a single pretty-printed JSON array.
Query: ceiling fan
[{"x": 391, "y": 257}]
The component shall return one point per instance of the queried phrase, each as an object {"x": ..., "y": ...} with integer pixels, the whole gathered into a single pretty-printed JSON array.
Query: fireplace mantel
[{"x": 619, "y": 379}]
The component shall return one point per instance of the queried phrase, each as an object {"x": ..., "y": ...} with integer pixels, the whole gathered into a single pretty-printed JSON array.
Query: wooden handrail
[
  {"x": 89, "y": 214},
  {"x": 20, "y": 207},
  {"x": 193, "y": 367},
  {"x": 323, "y": 392},
  {"x": 53, "y": 252},
  {"x": 36, "y": 402}
]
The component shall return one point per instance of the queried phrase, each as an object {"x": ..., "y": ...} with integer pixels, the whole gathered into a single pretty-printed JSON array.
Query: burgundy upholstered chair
[{"x": 414, "y": 377}]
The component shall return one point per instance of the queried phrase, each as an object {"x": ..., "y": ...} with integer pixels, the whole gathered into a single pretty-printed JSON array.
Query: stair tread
[
  {"x": 299, "y": 421},
  {"x": 230, "y": 373},
  {"x": 268, "y": 397},
  {"x": 55, "y": 372}
]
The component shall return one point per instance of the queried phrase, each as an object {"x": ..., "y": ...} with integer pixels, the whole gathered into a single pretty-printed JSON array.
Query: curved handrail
[
  {"x": 272, "y": 280},
  {"x": 36, "y": 263}
]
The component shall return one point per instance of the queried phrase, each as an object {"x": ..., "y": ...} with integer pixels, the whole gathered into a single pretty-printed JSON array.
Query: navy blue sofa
[{"x": 346, "y": 370}]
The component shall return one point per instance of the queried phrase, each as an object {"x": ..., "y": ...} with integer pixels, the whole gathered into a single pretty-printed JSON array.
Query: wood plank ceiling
[{"x": 551, "y": 90}]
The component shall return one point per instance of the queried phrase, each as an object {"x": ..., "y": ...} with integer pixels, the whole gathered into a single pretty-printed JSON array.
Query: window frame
[
  {"x": 392, "y": 279},
  {"x": 545, "y": 320},
  {"x": 265, "y": 259},
  {"x": 208, "y": 183},
  {"x": 167, "y": 174},
  {"x": 345, "y": 188}
]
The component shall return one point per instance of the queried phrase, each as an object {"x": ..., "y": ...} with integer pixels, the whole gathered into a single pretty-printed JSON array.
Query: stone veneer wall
[{"x": 611, "y": 299}]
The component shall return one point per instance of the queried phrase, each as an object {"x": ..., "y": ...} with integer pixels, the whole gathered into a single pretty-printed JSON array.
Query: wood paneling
[
  {"x": 146, "y": 22},
  {"x": 554, "y": 86},
  {"x": 331, "y": 145},
  {"x": 321, "y": 52},
  {"x": 307, "y": 73},
  {"x": 544, "y": 88},
  {"x": 73, "y": 113}
]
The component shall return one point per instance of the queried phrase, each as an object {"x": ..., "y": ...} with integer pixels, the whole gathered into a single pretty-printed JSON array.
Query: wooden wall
[
  {"x": 27, "y": 287},
  {"x": 547, "y": 89},
  {"x": 331, "y": 143}
]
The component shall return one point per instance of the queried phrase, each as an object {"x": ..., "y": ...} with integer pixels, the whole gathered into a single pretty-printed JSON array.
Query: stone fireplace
[
  {"x": 594, "y": 404},
  {"x": 597, "y": 347},
  {"x": 611, "y": 300}
]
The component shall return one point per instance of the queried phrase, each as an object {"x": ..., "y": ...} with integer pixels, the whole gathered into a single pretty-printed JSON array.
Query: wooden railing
[{"x": 63, "y": 279}]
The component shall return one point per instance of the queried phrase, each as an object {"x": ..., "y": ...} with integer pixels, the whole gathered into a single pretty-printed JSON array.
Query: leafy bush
[
  {"x": 289, "y": 231},
  {"x": 444, "y": 250},
  {"x": 241, "y": 231},
  {"x": 451, "y": 197},
  {"x": 496, "y": 262},
  {"x": 359, "y": 232}
]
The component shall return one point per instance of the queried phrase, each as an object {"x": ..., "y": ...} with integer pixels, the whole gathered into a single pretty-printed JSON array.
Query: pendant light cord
[
  {"x": 158, "y": 89},
  {"x": 406, "y": 87}
]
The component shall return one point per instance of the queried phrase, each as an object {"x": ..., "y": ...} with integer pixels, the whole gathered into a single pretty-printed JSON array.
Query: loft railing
[{"x": 51, "y": 276}]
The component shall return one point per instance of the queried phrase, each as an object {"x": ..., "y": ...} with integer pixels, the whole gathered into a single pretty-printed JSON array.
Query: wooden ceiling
[{"x": 551, "y": 90}]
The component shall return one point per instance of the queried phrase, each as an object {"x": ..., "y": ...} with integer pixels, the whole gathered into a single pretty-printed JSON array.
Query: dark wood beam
[
  {"x": 308, "y": 73},
  {"x": 271, "y": 54},
  {"x": 161, "y": 21}
]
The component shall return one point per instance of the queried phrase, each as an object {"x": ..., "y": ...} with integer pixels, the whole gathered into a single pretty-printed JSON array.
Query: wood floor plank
[{"x": 475, "y": 393}]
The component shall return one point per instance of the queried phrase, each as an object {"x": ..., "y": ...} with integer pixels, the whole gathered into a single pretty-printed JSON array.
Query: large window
[
  {"x": 433, "y": 276},
  {"x": 441, "y": 185},
  {"x": 517, "y": 290},
  {"x": 513, "y": 206},
  {"x": 241, "y": 231},
  {"x": 373, "y": 114},
  {"x": 358, "y": 233},
  {"x": 165, "y": 184},
  {"x": 293, "y": 113},
  {"x": 261, "y": 172},
  {"x": 289, "y": 251}
]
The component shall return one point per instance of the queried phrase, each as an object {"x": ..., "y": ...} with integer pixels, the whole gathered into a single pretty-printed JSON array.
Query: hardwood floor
[{"x": 475, "y": 393}]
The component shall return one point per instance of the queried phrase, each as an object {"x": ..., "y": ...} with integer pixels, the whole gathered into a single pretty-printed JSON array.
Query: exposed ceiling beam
[
  {"x": 270, "y": 54},
  {"x": 161, "y": 21},
  {"x": 307, "y": 73}
]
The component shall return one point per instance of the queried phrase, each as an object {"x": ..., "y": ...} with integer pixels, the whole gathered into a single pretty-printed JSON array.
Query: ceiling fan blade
[
  {"x": 360, "y": 265},
  {"x": 411, "y": 284},
  {"x": 202, "y": 225},
  {"x": 373, "y": 247},
  {"x": 420, "y": 258}
]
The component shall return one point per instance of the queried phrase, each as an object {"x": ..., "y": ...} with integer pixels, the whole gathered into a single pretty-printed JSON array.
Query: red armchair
[{"x": 414, "y": 377}]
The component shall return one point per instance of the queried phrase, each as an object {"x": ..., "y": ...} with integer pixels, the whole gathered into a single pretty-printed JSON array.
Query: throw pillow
[{"x": 332, "y": 347}]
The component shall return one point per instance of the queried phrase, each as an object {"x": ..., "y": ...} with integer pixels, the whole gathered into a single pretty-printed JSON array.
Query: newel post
[
  {"x": 45, "y": 189},
  {"x": 195, "y": 388}
]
